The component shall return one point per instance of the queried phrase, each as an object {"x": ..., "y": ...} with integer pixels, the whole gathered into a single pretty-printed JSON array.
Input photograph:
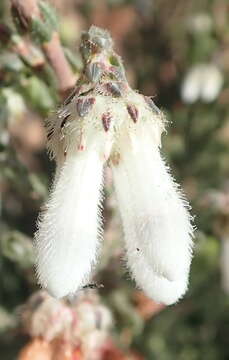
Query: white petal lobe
[
  {"x": 155, "y": 286},
  {"x": 156, "y": 221},
  {"x": 69, "y": 228}
]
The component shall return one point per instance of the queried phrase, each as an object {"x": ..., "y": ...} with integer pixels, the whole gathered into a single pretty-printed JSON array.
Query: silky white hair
[
  {"x": 157, "y": 227},
  {"x": 106, "y": 121},
  {"x": 70, "y": 226}
]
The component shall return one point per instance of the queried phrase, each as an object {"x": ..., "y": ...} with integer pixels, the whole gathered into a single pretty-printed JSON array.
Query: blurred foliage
[{"x": 161, "y": 41}]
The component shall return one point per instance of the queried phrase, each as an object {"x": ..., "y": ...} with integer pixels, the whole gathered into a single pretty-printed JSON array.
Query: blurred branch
[
  {"x": 56, "y": 57},
  {"x": 27, "y": 53},
  {"x": 20, "y": 46},
  {"x": 29, "y": 16}
]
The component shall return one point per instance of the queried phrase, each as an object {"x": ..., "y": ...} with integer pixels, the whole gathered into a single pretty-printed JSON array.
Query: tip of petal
[
  {"x": 166, "y": 292},
  {"x": 59, "y": 291}
]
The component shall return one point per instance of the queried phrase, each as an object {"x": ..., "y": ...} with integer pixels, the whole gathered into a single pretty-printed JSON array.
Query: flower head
[
  {"x": 202, "y": 82},
  {"x": 105, "y": 121}
]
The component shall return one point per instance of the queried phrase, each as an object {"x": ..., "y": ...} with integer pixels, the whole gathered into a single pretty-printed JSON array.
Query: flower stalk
[{"x": 39, "y": 18}]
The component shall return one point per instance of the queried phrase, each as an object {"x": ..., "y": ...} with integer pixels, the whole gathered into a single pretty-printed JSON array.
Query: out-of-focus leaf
[{"x": 18, "y": 248}]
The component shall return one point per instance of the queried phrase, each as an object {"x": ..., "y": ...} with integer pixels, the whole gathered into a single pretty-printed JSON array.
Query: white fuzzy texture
[
  {"x": 156, "y": 222},
  {"x": 69, "y": 228},
  {"x": 155, "y": 286}
]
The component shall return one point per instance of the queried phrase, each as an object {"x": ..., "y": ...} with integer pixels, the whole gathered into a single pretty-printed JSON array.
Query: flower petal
[
  {"x": 68, "y": 230},
  {"x": 154, "y": 215},
  {"x": 155, "y": 286}
]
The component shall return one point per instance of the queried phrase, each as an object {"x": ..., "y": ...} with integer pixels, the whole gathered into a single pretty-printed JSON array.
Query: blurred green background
[{"x": 177, "y": 51}]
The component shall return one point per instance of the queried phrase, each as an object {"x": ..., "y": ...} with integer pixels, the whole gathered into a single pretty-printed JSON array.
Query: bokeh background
[{"x": 178, "y": 52}]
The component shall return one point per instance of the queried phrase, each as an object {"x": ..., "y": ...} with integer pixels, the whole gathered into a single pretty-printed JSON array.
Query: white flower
[
  {"x": 15, "y": 104},
  {"x": 203, "y": 81},
  {"x": 106, "y": 121},
  {"x": 200, "y": 23}
]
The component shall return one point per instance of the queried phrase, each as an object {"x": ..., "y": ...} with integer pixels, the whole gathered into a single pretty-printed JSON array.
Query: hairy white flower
[
  {"x": 203, "y": 81},
  {"x": 104, "y": 120},
  {"x": 200, "y": 23},
  {"x": 70, "y": 225}
]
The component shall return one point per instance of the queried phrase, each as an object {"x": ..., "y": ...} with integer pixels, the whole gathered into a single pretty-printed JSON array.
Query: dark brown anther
[
  {"x": 64, "y": 120},
  {"x": 65, "y": 153},
  {"x": 113, "y": 88},
  {"x": 133, "y": 112},
  {"x": 106, "y": 119},
  {"x": 93, "y": 286},
  {"x": 151, "y": 104},
  {"x": 49, "y": 135},
  {"x": 94, "y": 72},
  {"x": 83, "y": 106}
]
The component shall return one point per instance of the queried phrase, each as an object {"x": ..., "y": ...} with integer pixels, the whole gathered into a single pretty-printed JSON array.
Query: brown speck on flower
[
  {"x": 81, "y": 144},
  {"x": 83, "y": 106},
  {"x": 115, "y": 158},
  {"x": 133, "y": 112},
  {"x": 113, "y": 89},
  {"x": 106, "y": 119},
  {"x": 81, "y": 147}
]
